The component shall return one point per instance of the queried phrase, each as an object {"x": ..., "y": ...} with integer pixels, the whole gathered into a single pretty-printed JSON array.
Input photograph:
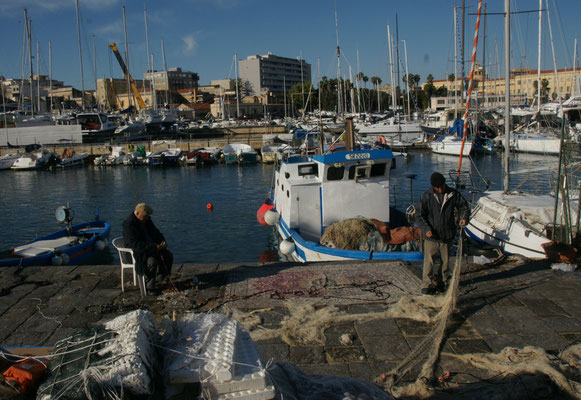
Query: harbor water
[{"x": 229, "y": 231}]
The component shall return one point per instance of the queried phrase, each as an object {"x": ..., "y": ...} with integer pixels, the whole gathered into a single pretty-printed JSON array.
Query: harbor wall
[{"x": 252, "y": 135}]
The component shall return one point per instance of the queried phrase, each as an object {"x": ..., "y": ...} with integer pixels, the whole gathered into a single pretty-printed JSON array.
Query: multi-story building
[
  {"x": 270, "y": 73},
  {"x": 522, "y": 87},
  {"x": 112, "y": 93},
  {"x": 172, "y": 79}
]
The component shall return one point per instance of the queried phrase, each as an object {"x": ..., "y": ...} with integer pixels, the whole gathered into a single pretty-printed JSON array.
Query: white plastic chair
[{"x": 127, "y": 261}]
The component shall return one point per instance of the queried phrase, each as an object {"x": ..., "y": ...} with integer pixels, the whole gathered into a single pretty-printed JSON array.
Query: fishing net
[
  {"x": 369, "y": 235},
  {"x": 112, "y": 360}
]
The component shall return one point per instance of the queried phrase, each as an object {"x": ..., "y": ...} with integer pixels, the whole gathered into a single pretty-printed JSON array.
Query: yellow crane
[{"x": 113, "y": 47}]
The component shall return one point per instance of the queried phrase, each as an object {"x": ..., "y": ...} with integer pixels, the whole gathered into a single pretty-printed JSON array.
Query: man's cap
[
  {"x": 144, "y": 209},
  {"x": 437, "y": 180}
]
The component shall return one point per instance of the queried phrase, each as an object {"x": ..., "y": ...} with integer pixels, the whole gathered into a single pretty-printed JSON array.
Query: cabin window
[
  {"x": 308, "y": 169},
  {"x": 335, "y": 173},
  {"x": 379, "y": 169},
  {"x": 359, "y": 172}
]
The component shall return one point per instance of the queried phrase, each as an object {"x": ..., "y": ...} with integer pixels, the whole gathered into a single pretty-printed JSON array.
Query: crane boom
[{"x": 113, "y": 47}]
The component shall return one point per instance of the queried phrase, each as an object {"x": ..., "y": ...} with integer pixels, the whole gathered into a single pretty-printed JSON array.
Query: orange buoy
[{"x": 210, "y": 206}]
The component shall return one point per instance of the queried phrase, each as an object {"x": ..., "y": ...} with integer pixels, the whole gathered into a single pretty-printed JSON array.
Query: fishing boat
[
  {"x": 69, "y": 246},
  {"x": 312, "y": 192}
]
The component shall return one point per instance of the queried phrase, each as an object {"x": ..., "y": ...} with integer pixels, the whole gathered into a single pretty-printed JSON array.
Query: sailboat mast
[
  {"x": 127, "y": 58},
  {"x": 391, "y": 72},
  {"x": 29, "y": 37},
  {"x": 24, "y": 47},
  {"x": 358, "y": 78},
  {"x": 95, "y": 63},
  {"x": 237, "y": 97},
  {"x": 462, "y": 53},
  {"x": 470, "y": 86},
  {"x": 455, "y": 64},
  {"x": 50, "y": 72},
  {"x": 574, "y": 83},
  {"x": 483, "y": 61},
  {"x": 539, "y": 59},
  {"x": 81, "y": 56},
  {"x": 339, "y": 88},
  {"x": 407, "y": 80},
  {"x": 166, "y": 75},
  {"x": 149, "y": 68},
  {"x": 37, "y": 77},
  {"x": 506, "y": 92}
]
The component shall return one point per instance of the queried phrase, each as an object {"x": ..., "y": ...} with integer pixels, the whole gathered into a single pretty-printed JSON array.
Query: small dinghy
[{"x": 69, "y": 246}]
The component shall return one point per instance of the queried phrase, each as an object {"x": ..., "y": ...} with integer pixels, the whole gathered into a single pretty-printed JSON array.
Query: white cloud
[{"x": 190, "y": 44}]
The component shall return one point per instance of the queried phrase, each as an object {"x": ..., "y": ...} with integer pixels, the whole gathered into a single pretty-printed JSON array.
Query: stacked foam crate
[{"x": 216, "y": 352}]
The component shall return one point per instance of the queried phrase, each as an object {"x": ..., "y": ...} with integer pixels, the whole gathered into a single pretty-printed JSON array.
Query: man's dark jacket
[
  {"x": 135, "y": 234},
  {"x": 439, "y": 217}
]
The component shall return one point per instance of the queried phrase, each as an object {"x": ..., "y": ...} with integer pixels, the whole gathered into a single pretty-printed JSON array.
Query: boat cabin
[{"x": 316, "y": 191}]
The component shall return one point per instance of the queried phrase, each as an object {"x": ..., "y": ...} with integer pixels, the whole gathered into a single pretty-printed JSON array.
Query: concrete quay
[
  {"x": 343, "y": 326},
  {"x": 216, "y": 137}
]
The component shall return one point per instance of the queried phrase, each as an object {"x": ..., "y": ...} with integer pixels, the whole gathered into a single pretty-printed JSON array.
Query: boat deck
[{"x": 516, "y": 303}]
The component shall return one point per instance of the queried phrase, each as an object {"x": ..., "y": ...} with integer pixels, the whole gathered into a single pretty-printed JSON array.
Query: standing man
[
  {"x": 437, "y": 222},
  {"x": 152, "y": 258}
]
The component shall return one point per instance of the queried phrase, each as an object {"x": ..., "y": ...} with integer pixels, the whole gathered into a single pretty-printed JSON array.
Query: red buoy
[
  {"x": 261, "y": 211},
  {"x": 210, "y": 206}
]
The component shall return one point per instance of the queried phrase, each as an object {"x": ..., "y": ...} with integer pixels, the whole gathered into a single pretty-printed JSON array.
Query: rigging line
[
  {"x": 562, "y": 33},
  {"x": 511, "y": 13}
]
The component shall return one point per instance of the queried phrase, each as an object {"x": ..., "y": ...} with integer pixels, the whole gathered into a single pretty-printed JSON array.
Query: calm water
[{"x": 229, "y": 233}]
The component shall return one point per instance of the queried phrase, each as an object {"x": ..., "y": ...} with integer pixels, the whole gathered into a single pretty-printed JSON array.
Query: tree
[
  {"x": 244, "y": 88},
  {"x": 299, "y": 93},
  {"x": 430, "y": 78}
]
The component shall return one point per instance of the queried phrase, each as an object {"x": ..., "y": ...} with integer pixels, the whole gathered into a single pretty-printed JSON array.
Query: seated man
[{"x": 152, "y": 258}]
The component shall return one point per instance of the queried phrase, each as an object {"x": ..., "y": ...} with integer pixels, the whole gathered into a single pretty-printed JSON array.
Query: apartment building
[{"x": 270, "y": 73}]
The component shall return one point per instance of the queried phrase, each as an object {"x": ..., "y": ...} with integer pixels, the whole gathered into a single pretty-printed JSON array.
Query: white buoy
[
  {"x": 65, "y": 258},
  {"x": 271, "y": 217},
  {"x": 287, "y": 247},
  {"x": 100, "y": 244}
]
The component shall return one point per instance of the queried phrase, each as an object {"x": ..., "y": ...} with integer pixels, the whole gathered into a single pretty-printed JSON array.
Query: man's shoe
[{"x": 428, "y": 290}]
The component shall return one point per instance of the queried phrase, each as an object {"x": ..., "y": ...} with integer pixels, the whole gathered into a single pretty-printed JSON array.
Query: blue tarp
[{"x": 458, "y": 127}]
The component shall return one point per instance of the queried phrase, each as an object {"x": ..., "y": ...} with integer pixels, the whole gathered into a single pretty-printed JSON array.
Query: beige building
[
  {"x": 172, "y": 79},
  {"x": 522, "y": 87},
  {"x": 112, "y": 93}
]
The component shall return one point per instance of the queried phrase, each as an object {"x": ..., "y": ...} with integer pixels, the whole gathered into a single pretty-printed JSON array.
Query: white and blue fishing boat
[
  {"x": 69, "y": 246},
  {"x": 312, "y": 192}
]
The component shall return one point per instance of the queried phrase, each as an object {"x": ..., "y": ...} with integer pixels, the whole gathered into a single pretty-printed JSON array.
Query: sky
[{"x": 203, "y": 36}]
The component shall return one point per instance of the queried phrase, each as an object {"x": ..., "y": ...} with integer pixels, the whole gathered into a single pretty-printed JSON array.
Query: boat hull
[
  {"x": 41, "y": 252},
  {"x": 309, "y": 251}
]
